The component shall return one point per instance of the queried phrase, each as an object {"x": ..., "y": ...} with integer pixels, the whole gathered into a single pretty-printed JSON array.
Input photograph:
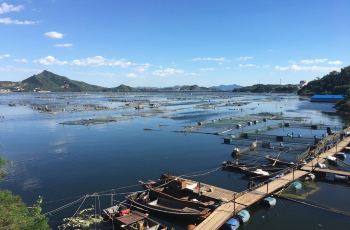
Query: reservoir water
[{"x": 62, "y": 162}]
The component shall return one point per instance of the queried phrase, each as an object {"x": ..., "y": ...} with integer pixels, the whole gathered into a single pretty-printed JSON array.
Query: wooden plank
[{"x": 212, "y": 191}]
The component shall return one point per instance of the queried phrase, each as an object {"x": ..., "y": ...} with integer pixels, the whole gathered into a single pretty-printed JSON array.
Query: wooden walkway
[{"x": 227, "y": 210}]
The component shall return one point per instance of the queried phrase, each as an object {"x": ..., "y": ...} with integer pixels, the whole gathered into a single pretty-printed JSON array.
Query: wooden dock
[{"x": 248, "y": 198}]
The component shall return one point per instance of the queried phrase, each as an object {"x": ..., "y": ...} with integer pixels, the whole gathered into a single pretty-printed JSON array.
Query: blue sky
[{"x": 174, "y": 42}]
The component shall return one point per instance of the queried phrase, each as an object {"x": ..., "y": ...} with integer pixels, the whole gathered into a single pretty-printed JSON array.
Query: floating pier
[{"x": 249, "y": 197}]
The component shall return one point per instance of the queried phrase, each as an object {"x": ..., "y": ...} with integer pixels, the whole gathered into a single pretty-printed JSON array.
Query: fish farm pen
[
  {"x": 179, "y": 161},
  {"x": 271, "y": 165}
]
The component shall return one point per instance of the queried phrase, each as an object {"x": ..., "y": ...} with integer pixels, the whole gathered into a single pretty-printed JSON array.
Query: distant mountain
[
  {"x": 269, "y": 88},
  {"x": 332, "y": 83},
  {"x": 48, "y": 81},
  {"x": 121, "y": 88},
  {"x": 225, "y": 87},
  {"x": 175, "y": 88}
]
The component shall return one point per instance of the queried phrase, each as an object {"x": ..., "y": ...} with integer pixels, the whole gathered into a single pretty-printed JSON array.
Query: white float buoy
[
  {"x": 310, "y": 177},
  {"x": 244, "y": 216},
  {"x": 270, "y": 201},
  {"x": 297, "y": 185}
]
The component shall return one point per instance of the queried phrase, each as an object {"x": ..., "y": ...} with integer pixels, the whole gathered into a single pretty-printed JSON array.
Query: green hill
[
  {"x": 48, "y": 81},
  {"x": 268, "y": 88},
  {"x": 332, "y": 83},
  {"x": 121, "y": 88}
]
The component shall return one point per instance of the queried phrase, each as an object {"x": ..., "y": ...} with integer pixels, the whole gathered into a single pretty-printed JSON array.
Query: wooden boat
[
  {"x": 243, "y": 167},
  {"x": 235, "y": 165},
  {"x": 124, "y": 218},
  {"x": 276, "y": 161},
  {"x": 154, "y": 203},
  {"x": 261, "y": 171},
  {"x": 172, "y": 188}
]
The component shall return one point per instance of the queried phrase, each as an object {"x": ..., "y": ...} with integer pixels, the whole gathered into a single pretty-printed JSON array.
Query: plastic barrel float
[
  {"x": 232, "y": 223},
  {"x": 270, "y": 201},
  {"x": 297, "y": 185},
  {"x": 235, "y": 152},
  {"x": 310, "y": 177},
  {"x": 244, "y": 216}
]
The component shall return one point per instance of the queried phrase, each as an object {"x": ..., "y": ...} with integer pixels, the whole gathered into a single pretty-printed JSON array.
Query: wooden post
[
  {"x": 112, "y": 199},
  {"x": 234, "y": 203},
  {"x": 336, "y": 146},
  {"x": 267, "y": 188},
  {"x": 199, "y": 188}
]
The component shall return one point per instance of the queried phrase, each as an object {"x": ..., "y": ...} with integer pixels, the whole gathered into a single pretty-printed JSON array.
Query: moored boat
[
  {"x": 158, "y": 204},
  {"x": 127, "y": 219},
  {"x": 177, "y": 189}
]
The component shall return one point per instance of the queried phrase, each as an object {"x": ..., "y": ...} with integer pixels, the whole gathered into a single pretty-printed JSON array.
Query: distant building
[
  {"x": 303, "y": 83},
  {"x": 326, "y": 98},
  {"x": 5, "y": 91}
]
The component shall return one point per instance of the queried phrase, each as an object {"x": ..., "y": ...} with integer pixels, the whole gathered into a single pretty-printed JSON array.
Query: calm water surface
[{"x": 64, "y": 162}]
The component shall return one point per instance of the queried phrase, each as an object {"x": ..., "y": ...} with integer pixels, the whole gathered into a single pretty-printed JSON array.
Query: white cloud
[
  {"x": 206, "y": 69},
  {"x": 4, "y": 56},
  {"x": 89, "y": 61},
  {"x": 50, "y": 60},
  {"x": 7, "y": 8},
  {"x": 64, "y": 45},
  {"x": 168, "y": 72},
  {"x": 131, "y": 75},
  {"x": 245, "y": 58},
  {"x": 335, "y": 62},
  {"x": 20, "y": 60},
  {"x": 248, "y": 65},
  {"x": 10, "y": 21},
  {"x": 143, "y": 68},
  {"x": 101, "y": 61},
  {"x": 213, "y": 59},
  {"x": 313, "y": 61},
  {"x": 307, "y": 68},
  {"x": 54, "y": 35}
]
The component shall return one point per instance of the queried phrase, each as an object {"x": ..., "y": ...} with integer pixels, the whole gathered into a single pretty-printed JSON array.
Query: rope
[
  {"x": 333, "y": 210},
  {"x": 63, "y": 207},
  {"x": 76, "y": 211}
]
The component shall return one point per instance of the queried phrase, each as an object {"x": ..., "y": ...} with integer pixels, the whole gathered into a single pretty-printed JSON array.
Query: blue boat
[{"x": 326, "y": 98}]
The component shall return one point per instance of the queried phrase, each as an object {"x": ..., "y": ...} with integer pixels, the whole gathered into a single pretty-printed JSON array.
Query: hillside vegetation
[
  {"x": 268, "y": 88},
  {"x": 48, "y": 81},
  {"x": 14, "y": 214},
  {"x": 332, "y": 83},
  {"x": 55, "y": 83}
]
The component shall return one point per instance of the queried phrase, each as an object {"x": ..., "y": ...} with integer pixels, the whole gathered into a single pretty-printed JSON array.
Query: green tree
[{"x": 14, "y": 214}]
